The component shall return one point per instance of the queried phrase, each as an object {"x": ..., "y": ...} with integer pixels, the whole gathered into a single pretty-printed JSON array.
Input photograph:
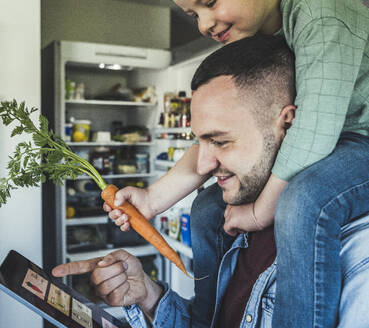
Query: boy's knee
[
  {"x": 302, "y": 192},
  {"x": 299, "y": 205}
]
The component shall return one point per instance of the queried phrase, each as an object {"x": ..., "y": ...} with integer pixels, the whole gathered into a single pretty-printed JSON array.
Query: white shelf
[
  {"x": 87, "y": 220},
  {"x": 118, "y": 176},
  {"x": 110, "y": 143},
  {"x": 173, "y": 130},
  {"x": 176, "y": 143},
  {"x": 137, "y": 251},
  {"x": 178, "y": 246},
  {"x": 109, "y": 103},
  {"x": 160, "y": 162}
]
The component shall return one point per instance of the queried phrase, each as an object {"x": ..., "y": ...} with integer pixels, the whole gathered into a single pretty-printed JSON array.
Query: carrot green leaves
[{"x": 48, "y": 156}]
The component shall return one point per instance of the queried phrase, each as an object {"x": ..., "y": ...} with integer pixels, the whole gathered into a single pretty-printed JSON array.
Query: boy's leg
[
  {"x": 209, "y": 243},
  {"x": 309, "y": 215}
]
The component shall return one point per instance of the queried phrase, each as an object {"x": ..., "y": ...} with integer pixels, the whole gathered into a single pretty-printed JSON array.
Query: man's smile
[{"x": 223, "y": 179}]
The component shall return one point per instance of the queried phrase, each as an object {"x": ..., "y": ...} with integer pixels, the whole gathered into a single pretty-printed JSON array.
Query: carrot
[{"x": 143, "y": 227}]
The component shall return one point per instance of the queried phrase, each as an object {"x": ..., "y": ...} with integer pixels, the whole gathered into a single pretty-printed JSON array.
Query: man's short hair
[{"x": 261, "y": 65}]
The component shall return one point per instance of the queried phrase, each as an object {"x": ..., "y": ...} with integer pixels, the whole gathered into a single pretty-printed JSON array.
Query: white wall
[{"x": 20, "y": 218}]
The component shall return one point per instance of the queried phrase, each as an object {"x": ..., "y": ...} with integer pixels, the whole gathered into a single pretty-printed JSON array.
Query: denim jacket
[{"x": 175, "y": 311}]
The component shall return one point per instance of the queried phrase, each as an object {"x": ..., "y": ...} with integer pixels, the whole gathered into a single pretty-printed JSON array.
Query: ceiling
[
  {"x": 183, "y": 27},
  {"x": 165, "y": 3}
]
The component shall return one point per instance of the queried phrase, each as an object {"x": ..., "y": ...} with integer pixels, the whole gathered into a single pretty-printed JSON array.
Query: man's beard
[{"x": 253, "y": 183}]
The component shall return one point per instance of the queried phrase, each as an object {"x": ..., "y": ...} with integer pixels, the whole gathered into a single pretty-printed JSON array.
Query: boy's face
[
  {"x": 230, "y": 20},
  {"x": 232, "y": 147}
]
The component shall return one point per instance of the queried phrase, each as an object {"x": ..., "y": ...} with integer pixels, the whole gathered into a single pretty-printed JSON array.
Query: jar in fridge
[
  {"x": 101, "y": 160},
  {"x": 81, "y": 130}
]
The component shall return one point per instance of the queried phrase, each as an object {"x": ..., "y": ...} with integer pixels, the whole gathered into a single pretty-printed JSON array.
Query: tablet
[{"x": 54, "y": 301}]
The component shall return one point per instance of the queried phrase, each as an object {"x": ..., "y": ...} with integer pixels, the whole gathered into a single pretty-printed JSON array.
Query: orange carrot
[{"x": 143, "y": 227}]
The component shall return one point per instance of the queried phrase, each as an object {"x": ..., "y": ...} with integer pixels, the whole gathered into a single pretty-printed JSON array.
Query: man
[{"x": 241, "y": 110}]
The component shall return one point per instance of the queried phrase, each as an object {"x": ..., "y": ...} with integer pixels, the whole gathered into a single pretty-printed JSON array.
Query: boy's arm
[
  {"x": 258, "y": 215},
  {"x": 265, "y": 204},
  {"x": 177, "y": 183}
]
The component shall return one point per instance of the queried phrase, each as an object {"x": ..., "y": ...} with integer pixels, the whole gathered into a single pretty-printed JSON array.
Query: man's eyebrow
[{"x": 212, "y": 134}]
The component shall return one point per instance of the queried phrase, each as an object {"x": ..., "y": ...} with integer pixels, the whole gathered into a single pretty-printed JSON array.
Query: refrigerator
[{"x": 102, "y": 84}]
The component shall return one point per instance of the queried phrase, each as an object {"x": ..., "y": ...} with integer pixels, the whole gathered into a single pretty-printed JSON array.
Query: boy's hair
[{"x": 261, "y": 65}]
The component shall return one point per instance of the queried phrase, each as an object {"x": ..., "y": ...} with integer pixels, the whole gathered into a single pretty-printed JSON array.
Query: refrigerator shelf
[
  {"x": 137, "y": 251},
  {"x": 87, "y": 220},
  {"x": 110, "y": 144},
  {"x": 160, "y": 162},
  {"x": 173, "y": 130},
  {"x": 109, "y": 103},
  {"x": 118, "y": 176}
]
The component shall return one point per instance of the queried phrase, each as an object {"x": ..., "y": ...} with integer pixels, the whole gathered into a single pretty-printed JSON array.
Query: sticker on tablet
[
  {"x": 59, "y": 299},
  {"x": 35, "y": 283},
  {"x": 107, "y": 324},
  {"x": 81, "y": 313}
]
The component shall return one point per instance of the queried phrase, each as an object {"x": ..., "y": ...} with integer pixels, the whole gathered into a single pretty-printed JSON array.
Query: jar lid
[
  {"x": 82, "y": 122},
  {"x": 101, "y": 149},
  {"x": 141, "y": 155}
]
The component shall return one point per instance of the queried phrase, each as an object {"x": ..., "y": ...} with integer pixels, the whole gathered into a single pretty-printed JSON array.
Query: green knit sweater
[{"x": 330, "y": 42}]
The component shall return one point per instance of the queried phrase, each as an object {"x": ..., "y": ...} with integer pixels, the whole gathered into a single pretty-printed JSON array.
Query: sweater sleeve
[{"x": 328, "y": 57}]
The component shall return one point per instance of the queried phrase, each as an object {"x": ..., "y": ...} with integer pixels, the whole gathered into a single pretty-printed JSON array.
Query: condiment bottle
[{"x": 100, "y": 159}]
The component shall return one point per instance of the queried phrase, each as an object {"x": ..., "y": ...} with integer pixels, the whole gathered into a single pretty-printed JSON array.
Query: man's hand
[
  {"x": 138, "y": 197},
  {"x": 119, "y": 279}
]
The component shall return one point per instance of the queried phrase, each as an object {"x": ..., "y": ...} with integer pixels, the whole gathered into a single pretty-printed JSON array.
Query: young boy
[{"x": 330, "y": 42}]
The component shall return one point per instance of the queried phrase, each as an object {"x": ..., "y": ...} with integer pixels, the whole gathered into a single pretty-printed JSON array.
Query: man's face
[
  {"x": 230, "y": 20},
  {"x": 232, "y": 148}
]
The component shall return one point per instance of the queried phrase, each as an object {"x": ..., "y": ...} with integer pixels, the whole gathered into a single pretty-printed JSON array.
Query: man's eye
[{"x": 218, "y": 143}]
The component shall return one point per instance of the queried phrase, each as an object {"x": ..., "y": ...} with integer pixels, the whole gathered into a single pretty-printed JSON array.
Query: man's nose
[
  {"x": 205, "y": 23},
  {"x": 206, "y": 161}
]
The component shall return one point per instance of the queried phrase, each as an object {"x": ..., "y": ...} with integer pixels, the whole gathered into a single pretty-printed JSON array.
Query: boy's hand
[
  {"x": 258, "y": 215},
  {"x": 239, "y": 219},
  {"x": 138, "y": 197}
]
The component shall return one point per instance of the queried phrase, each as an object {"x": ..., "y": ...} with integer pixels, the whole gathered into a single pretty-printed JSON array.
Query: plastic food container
[
  {"x": 81, "y": 130},
  {"x": 142, "y": 162},
  {"x": 101, "y": 136}
]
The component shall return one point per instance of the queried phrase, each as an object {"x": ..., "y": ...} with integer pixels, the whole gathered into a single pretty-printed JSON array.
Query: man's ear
[{"x": 286, "y": 116}]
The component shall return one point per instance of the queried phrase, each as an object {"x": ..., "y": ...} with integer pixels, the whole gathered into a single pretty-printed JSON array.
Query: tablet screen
[{"x": 56, "y": 302}]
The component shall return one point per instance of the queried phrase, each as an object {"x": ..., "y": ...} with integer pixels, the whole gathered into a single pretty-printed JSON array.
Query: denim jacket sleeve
[{"x": 172, "y": 311}]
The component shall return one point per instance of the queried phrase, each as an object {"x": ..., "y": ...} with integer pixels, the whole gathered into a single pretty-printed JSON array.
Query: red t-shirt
[{"x": 251, "y": 262}]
